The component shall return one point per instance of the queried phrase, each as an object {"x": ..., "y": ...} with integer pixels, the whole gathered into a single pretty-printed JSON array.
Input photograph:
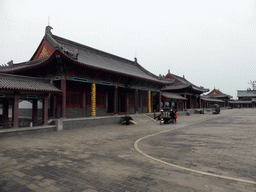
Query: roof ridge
[
  {"x": 26, "y": 83},
  {"x": 188, "y": 82},
  {"x": 146, "y": 71},
  {"x": 104, "y": 53},
  {"x": 179, "y": 78},
  {"x": 25, "y": 63},
  {"x": 21, "y": 77}
]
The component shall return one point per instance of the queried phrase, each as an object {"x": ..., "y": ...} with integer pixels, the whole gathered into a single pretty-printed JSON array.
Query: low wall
[
  {"x": 64, "y": 124},
  {"x": 27, "y": 130},
  {"x": 90, "y": 122},
  {"x": 28, "y": 112}
]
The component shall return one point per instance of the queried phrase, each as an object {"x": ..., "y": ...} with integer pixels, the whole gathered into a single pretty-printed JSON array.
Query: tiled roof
[
  {"x": 211, "y": 99},
  {"x": 24, "y": 83},
  {"x": 173, "y": 96},
  {"x": 100, "y": 60},
  {"x": 219, "y": 95},
  {"x": 201, "y": 89},
  {"x": 241, "y": 102},
  {"x": 23, "y": 65},
  {"x": 182, "y": 83},
  {"x": 176, "y": 87},
  {"x": 89, "y": 57},
  {"x": 246, "y": 93}
]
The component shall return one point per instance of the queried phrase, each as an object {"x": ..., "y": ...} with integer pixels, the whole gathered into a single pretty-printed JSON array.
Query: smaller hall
[
  {"x": 181, "y": 94},
  {"x": 246, "y": 99},
  {"x": 216, "y": 97},
  {"x": 14, "y": 89}
]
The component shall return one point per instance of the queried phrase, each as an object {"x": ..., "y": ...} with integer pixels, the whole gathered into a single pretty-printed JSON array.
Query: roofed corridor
[{"x": 104, "y": 159}]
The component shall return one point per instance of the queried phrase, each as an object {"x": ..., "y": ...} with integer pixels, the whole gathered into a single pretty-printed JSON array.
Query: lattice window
[
  {"x": 144, "y": 101},
  {"x": 73, "y": 99},
  {"x": 100, "y": 100},
  {"x": 88, "y": 99},
  {"x": 131, "y": 101}
]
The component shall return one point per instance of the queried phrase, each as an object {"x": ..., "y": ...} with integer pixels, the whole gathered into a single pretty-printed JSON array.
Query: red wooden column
[
  {"x": 45, "y": 110},
  {"x": 5, "y": 112},
  {"x": 34, "y": 110},
  {"x": 116, "y": 99},
  {"x": 54, "y": 104},
  {"x": 106, "y": 101},
  {"x": 185, "y": 95},
  {"x": 160, "y": 97},
  {"x": 53, "y": 101},
  {"x": 63, "y": 95},
  {"x": 15, "y": 110},
  {"x": 84, "y": 102},
  {"x": 190, "y": 102},
  {"x": 136, "y": 100}
]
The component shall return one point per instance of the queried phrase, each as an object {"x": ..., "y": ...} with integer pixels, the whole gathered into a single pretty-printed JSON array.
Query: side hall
[
  {"x": 216, "y": 97},
  {"x": 14, "y": 89},
  {"x": 181, "y": 94}
]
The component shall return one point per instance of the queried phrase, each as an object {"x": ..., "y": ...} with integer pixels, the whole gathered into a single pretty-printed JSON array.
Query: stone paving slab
[
  {"x": 218, "y": 146},
  {"x": 104, "y": 158}
]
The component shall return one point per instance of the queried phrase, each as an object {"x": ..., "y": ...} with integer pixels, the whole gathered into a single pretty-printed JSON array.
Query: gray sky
[{"x": 211, "y": 42}]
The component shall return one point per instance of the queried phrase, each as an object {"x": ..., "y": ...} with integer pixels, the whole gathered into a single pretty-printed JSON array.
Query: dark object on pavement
[
  {"x": 126, "y": 120},
  {"x": 216, "y": 109},
  {"x": 167, "y": 115}
]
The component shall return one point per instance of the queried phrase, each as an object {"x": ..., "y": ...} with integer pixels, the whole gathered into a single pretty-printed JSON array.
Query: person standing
[{"x": 175, "y": 116}]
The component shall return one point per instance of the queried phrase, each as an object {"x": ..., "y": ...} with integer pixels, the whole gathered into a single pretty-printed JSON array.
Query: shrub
[{"x": 127, "y": 120}]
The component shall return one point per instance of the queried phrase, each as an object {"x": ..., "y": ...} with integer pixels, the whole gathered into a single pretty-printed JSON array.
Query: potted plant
[{"x": 127, "y": 120}]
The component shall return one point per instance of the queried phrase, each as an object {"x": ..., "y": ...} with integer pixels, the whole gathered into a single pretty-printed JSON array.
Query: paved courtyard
[{"x": 202, "y": 152}]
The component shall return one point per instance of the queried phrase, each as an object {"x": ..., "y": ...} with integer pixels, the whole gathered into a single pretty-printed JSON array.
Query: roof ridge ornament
[
  {"x": 135, "y": 61},
  {"x": 48, "y": 30},
  {"x": 48, "y": 34},
  {"x": 74, "y": 54},
  {"x": 10, "y": 63}
]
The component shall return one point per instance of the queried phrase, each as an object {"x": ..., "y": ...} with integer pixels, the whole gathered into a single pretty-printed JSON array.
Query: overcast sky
[{"x": 211, "y": 42}]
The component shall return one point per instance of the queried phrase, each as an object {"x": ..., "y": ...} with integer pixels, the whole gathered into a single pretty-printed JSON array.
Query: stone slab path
[{"x": 174, "y": 157}]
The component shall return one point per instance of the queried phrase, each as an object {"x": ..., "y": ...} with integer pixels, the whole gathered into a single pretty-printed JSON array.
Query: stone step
[{"x": 142, "y": 119}]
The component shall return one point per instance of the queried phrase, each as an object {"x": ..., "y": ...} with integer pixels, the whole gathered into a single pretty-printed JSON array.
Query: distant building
[
  {"x": 246, "y": 99},
  {"x": 181, "y": 94},
  {"x": 246, "y": 95},
  {"x": 216, "y": 97}
]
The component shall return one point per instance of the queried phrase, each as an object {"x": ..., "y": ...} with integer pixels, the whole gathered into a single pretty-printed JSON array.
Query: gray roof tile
[
  {"x": 182, "y": 83},
  {"x": 211, "y": 99},
  {"x": 246, "y": 93},
  {"x": 241, "y": 102},
  {"x": 24, "y": 83},
  {"x": 219, "y": 95},
  {"x": 173, "y": 96},
  {"x": 90, "y": 57},
  {"x": 102, "y": 60}
]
